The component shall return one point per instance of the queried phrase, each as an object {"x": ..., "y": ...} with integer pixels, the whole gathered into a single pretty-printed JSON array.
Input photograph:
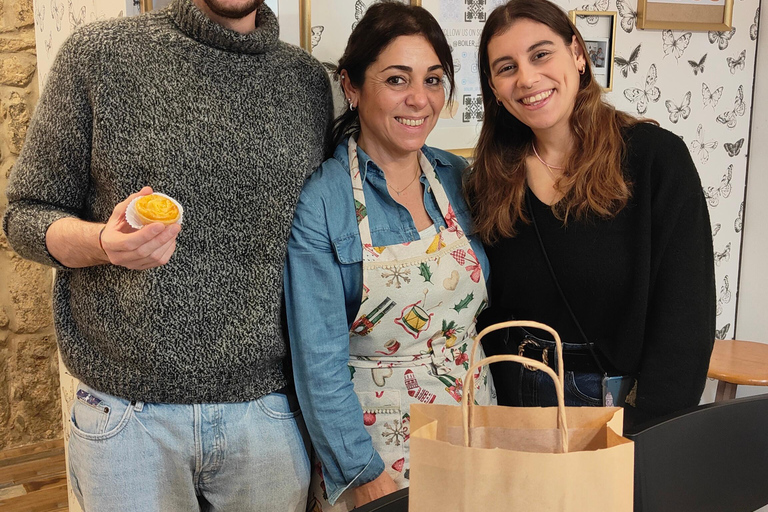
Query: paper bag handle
[{"x": 467, "y": 397}]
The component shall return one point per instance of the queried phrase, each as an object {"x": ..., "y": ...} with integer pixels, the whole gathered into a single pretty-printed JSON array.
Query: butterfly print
[
  {"x": 713, "y": 194},
  {"x": 709, "y": 97},
  {"x": 722, "y": 333},
  {"x": 675, "y": 46},
  {"x": 723, "y": 256},
  {"x": 628, "y": 15},
  {"x": 698, "y": 67},
  {"x": 716, "y": 229},
  {"x": 702, "y": 148},
  {"x": 76, "y": 22},
  {"x": 40, "y": 17},
  {"x": 599, "y": 5},
  {"x": 359, "y": 11},
  {"x": 650, "y": 93},
  {"x": 676, "y": 112},
  {"x": 735, "y": 148},
  {"x": 725, "y": 296},
  {"x": 721, "y": 38},
  {"x": 739, "y": 222},
  {"x": 317, "y": 33},
  {"x": 628, "y": 64},
  {"x": 57, "y": 13},
  {"x": 753, "y": 27},
  {"x": 739, "y": 107},
  {"x": 737, "y": 63}
]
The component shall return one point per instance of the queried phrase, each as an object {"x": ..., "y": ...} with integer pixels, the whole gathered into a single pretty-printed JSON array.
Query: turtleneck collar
[{"x": 197, "y": 25}]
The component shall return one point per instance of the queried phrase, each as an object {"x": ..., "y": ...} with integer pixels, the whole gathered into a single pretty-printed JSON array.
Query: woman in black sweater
[{"x": 594, "y": 222}]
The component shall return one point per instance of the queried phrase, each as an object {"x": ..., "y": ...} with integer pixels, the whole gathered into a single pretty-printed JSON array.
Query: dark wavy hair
[
  {"x": 593, "y": 181},
  {"x": 382, "y": 23}
]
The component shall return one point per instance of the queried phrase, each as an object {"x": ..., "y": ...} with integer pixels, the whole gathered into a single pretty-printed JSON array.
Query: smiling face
[
  {"x": 400, "y": 99},
  {"x": 536, "y": 75}
]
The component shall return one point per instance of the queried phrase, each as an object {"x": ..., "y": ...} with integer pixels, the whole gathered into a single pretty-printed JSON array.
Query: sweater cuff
[
  {"x": 26, "y": 227},
  {"x": 369, "y": 473}
]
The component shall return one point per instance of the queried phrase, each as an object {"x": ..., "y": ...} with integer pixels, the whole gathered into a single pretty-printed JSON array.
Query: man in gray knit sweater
[{"x": 174, "y": 331}]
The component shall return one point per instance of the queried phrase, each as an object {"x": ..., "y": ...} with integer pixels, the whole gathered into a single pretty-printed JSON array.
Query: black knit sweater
[
  {"x": 641, "y": 284},
  {"x": 228, "y": 124}
]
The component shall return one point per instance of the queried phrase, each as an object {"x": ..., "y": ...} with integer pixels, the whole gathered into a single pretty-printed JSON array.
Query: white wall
[{"x": 751, "y": 323}]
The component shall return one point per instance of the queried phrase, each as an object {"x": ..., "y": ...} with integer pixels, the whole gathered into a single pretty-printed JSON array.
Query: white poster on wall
[{"x": 462, "y": 22}]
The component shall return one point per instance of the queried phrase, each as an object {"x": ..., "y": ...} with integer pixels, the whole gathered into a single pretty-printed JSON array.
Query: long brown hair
[{"x": 593, "y": 180}]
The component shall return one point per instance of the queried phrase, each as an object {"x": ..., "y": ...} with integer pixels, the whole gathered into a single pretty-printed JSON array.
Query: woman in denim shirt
[{"x": 382, "y": 283}]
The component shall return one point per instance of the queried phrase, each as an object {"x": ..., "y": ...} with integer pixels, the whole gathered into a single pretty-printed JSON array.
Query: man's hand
[
  {"x": 149, "y": 247},
  {"x": 75, "y": 242},
  {"x": 374, "y": 489}
]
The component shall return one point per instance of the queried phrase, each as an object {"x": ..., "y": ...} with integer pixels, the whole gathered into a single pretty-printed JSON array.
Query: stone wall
[{"x": 29, "y": 383}]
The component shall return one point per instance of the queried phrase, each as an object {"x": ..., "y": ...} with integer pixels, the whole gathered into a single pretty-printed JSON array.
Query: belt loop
[{"x": 137, "y": 406}]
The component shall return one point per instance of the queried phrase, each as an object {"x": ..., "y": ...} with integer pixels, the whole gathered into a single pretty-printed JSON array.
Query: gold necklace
[{"x": 398, "y": 192}]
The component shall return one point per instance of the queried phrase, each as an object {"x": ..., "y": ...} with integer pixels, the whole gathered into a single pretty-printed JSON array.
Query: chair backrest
[
  {"x": 395, "y": 502},
  {"x": 710, "y": 458}
]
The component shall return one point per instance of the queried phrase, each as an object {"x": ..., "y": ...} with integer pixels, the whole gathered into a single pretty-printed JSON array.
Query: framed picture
[
  {"x": 598, "y": 28},
  {"x": 153, "y": 5},
  {"x": 685, "y": 14}
]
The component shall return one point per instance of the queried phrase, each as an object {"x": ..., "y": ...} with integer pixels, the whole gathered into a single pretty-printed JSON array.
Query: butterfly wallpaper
[{"x": 698, "y": 85}]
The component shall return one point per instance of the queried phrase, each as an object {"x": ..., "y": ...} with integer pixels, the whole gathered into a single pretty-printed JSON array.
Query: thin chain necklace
[
  {"x": 549, "y": 167},
  {"x": 398, "y": 192}
]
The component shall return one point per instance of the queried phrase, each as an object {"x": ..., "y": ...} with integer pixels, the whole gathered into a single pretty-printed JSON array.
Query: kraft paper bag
[{"x": 519, "y": 459}]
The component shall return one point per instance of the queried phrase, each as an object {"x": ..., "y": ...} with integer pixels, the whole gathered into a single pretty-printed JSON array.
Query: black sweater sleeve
[{"x": 680, "y": 321}]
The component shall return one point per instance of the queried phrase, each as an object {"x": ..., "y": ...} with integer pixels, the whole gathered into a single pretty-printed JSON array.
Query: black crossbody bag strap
[{"x": 589, "y": 344}]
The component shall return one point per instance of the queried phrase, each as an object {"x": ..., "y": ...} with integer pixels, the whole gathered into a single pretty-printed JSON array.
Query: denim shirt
[{"x": 323, "y": 290}]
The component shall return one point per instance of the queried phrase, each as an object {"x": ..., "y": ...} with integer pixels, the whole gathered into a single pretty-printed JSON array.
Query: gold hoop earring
[{"x": 498, "y": 101}]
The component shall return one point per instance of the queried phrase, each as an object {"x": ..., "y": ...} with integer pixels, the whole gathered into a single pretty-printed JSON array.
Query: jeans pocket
[
  {"x": 583, "y": 389},
  {"x": 97, "y": 416},
  {"x": 277, "y": 406},
  {"x": 383, "y": 419}
]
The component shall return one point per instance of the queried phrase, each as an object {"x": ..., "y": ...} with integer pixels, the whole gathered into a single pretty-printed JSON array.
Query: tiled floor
[{"x": 33, "y": 478}]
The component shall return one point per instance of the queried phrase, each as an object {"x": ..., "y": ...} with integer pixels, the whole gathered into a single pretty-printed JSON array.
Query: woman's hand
[{"x": 375, "y": 489}]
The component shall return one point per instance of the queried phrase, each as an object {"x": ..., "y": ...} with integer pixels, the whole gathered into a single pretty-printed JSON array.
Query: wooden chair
[
  {"x": 395, "y": 502},
  {"x": 710, "y": 458}
]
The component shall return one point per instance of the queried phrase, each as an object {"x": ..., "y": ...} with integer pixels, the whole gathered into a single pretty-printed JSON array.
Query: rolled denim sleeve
[{"x": 319, "y": 338}]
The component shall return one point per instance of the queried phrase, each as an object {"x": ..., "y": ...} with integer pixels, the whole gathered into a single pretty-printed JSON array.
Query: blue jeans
[
  {"x": 134, "y": 456},
  {"x": 538, "y": 390}
]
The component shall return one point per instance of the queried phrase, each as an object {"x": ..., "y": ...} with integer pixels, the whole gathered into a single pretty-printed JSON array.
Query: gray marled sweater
[{"x": 228, "y": 124}]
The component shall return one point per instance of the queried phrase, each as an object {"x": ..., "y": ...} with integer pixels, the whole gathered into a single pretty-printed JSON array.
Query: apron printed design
[{"x": 412, "y": 346}]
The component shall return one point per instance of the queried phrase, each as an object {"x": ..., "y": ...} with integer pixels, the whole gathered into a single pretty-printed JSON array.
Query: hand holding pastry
[{"x": 149, "y": 247}]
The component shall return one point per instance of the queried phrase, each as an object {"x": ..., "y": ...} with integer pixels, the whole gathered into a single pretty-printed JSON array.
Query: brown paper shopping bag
[{"x": 519, "y": 459}]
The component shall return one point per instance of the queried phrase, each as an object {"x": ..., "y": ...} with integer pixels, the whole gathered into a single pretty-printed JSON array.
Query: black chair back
[{"x": 710, "y": 458}]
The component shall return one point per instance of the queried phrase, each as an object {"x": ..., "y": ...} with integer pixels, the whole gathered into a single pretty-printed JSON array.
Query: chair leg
[{"x": 725, "y": 391}]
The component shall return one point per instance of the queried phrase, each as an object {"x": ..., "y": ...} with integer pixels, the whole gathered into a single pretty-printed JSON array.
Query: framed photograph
[
  {"x": 597, "y": 50},
  {"x": 598, "y": 28},
  {"x": 713, "y": 15}
]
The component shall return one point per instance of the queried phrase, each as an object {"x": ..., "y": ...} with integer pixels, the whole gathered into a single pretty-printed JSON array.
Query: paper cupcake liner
[{"x": 133, "y": 217}]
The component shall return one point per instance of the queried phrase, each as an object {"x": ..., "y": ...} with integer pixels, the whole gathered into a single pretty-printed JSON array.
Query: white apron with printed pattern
[{"x": 410, "y": 338}]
